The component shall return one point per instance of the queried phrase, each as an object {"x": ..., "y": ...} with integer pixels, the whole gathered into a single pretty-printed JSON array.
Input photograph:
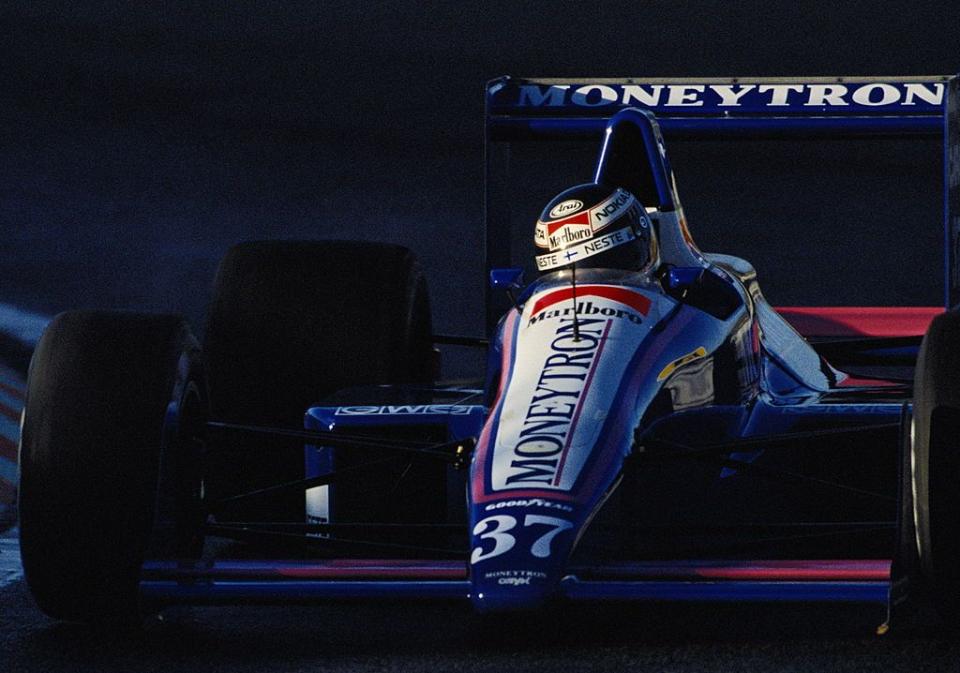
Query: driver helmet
[{"x": 595, "y": 226}]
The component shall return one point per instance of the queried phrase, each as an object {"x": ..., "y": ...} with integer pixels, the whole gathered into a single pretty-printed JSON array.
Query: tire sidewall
[
  {"x": 935, "y": 462},
  {"x": 101, "y": 388}
]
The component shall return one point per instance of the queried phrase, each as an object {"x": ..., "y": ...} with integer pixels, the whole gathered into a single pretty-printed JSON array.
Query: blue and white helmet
[{"x": 595, "y": 226}]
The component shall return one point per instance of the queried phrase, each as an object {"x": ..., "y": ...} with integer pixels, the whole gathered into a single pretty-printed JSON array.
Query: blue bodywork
[
  {"x": 715, "y": 365},
  {"x": 709, "y": 365}
]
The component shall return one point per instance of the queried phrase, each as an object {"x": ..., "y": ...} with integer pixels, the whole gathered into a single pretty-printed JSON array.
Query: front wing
[{"x": 845, "y": 581}]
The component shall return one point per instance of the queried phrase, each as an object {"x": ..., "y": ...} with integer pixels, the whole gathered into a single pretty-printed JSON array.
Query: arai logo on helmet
[{"x": 566, "y": 208}]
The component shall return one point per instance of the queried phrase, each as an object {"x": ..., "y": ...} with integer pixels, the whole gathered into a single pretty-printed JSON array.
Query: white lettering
[
  {"x": 780, "y": 93},
  {"x": 495, "y": 528},
  {"x": 541, "y": 547},
  {"x": 873, "y": 94},
  {"x": 888, "y": 94},
  {"x": 581, "y": 95},
  {"x": 729, "y": 97},
  {"x": 535, "y": 502},
  {"x": 635, "y": 92},
  {"x": 826, "y": 94},
  {"x": 583, "y": 250},
  {"x": 921, "y": 91},
  {"x": 684, "y": 96},
  {"x": 552, "y": 96},
  {"x": 548, "y": 261}
]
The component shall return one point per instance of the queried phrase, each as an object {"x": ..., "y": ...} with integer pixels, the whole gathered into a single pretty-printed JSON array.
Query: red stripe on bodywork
[
  {"x": 861, "y": 382},
  {"x": 855, "y": 572},
  {"x": 549, "y": 494},
  {"x": 376, "y": 573},
  {"x": 759, "y": 571},
  {"x": 386, "y": 569},
  {"x": 634, "y": 300},
  {"x": 854, "y": 321}
]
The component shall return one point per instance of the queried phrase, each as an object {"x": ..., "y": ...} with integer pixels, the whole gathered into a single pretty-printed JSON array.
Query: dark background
[{"x": 139, "y": 140}]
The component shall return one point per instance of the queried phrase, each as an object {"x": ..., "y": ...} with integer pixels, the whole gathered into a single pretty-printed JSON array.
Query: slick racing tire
[
  {"x": 935, "y": 461},
  {"x": 109, "y": 459},
  {"x": 291, "y": 322}
]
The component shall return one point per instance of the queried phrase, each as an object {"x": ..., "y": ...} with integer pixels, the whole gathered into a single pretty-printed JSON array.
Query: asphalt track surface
[{"x": 431, "y": 638}]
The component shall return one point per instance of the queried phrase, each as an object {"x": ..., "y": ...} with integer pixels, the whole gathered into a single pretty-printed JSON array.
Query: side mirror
[
  {"x": 704, "y": 289},
  {"x": 684, "y": 277},
  {"x": 510, "y": 278}
]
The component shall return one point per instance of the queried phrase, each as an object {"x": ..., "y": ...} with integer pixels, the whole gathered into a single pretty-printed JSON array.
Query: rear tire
[
  {"x": 291, "y": 322},
  {"x": 935, "y": 461},
  {"x": 113, "y": 408}
]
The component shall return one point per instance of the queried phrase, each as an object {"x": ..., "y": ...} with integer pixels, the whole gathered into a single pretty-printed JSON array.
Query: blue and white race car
[{"x": 648, "y": 426}]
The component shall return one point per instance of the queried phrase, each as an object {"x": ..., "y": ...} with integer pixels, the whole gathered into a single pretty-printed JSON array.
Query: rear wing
[{"x": 519, "y": 110}]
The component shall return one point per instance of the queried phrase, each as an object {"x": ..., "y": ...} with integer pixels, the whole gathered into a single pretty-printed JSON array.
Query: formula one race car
[{"x": 648, "y": 428}]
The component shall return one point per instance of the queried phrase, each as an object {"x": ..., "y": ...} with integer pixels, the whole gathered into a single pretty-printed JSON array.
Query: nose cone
[{"x": 519, "y": 555}]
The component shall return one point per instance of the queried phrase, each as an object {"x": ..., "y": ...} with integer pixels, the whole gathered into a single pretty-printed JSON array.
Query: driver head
[{"x": 595, "y": 226}]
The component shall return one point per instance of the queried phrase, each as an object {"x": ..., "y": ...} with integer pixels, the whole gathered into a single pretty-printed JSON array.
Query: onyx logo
[{"x": 566, "y": 208}]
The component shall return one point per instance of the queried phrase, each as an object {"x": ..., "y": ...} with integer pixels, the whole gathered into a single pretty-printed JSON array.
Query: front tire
[
  {"x": 291, "y": 322},
  {"x": 113, "y": 407}
]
